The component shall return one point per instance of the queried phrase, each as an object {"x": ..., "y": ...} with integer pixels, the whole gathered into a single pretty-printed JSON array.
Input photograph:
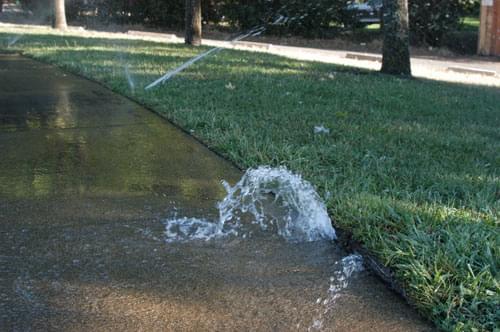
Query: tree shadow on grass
[{"x": 232, "y": 57}]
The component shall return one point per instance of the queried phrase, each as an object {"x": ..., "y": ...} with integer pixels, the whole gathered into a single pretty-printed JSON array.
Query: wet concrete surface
[{"x": 87, "y": 179}]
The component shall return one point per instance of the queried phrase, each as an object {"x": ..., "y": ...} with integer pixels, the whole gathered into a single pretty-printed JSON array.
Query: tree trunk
[
  {"x": 60, "y": 15},
  {"x": 396, "y": 48},
  {"x": 193, "y": 22}
]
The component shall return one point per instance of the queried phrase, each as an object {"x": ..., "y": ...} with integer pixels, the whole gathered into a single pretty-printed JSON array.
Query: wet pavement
[{"x": 87, "y": 180}]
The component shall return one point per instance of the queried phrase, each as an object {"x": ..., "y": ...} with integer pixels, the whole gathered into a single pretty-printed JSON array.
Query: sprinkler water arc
[{"x": 252, "y": 33}]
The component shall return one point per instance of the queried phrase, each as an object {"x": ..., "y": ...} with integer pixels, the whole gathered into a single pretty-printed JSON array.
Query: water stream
[
  {"x": 130, "y": 81},
  {"x": 253, "y": 32},
  {"x": 11, "y": 41}
]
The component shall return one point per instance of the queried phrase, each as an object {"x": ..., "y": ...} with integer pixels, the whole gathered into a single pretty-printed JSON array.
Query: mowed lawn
[{"x": 410, "y": 167}]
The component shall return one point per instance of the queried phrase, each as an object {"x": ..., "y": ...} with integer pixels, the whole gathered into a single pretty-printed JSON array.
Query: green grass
[
  {"x": 374, "y": 26},
  {"x": 412, "y": 166}
]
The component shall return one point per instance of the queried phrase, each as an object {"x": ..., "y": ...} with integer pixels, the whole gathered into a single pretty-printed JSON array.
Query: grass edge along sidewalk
[{"x": 410, "y": 167}]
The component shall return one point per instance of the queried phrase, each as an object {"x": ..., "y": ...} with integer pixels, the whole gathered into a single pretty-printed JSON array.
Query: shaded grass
[{"x": 411, "y": 167}]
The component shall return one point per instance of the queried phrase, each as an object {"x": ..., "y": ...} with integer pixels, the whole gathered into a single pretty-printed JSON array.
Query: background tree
[
  {"x": 396, "y": 47},
  {"x": 60, "y": 15},
  {"x": 193, "y": 22}
]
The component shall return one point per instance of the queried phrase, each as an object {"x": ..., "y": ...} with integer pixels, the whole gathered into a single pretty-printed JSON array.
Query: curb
[
  {"x": 164, "y": 36},
  {"x": 471, "y": 70},
  {"x": 253, "y": 45}
]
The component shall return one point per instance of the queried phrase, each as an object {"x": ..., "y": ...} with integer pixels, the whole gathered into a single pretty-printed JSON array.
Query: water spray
[
  {"x": 254, "y": 32},
  {"x": 42, "y": 17},
  {"x": 130, "y": 81},
  {"x": 346, "y": 268},
  {"x": 271, "y": 200},
  {"x": 279, "y": 19},
  {"x": 13, "y": 40},
  {"x": 257, "y": 31},
  {"x": 177, "y": 70}
]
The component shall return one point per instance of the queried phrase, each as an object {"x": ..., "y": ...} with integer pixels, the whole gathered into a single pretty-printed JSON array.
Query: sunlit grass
[
  {"x": 470, "y": 23},
  {"x": 410, "y": 167},
  {"x": 374, "y": 26}
]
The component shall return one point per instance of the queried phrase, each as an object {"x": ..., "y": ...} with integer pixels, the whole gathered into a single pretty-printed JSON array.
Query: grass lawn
[
  {"x": 470, "y": 23},
  {"x": 410, "y": 167},
  {"x": 374, "y": 26}
]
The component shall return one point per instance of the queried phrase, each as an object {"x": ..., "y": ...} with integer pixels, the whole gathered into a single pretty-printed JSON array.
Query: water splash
[
  {"x": 189, "y": 229},
  {"x": 275, "y": 197},
  {"x": 347, "y": 267},
  {"x": 272, "y": 200}
]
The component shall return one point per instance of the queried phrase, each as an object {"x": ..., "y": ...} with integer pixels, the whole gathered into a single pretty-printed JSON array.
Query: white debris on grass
[{"x": 321, "y": 130}]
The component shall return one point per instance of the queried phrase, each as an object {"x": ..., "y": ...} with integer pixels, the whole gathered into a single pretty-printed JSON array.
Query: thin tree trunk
[
  {"x": 60, "y": 15},
  {"x": 396, "y": 48},
  {"x": 193, "y": 22}
]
